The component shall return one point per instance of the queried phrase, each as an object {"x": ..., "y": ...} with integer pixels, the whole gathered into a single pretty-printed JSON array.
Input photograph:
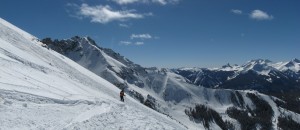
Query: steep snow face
[
  {"x": 102, "y": 61},
  {"x": 88, "y": 52},
  {"x": 41, "y": 89},
  {"x": 27, "y": 60}
]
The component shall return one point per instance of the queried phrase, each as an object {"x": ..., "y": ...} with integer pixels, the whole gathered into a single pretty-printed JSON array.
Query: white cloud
[
  {"x": 236, "y": 11},
  {"x": 162, "y": 2},
  {"x": 125, "y": 43},
  {"x": 124, "y": 25},
  {"x": 122, "y": 2},
  {"x": 138, "y": 43},
  {"x": 135, "y": 39},
  {"x": 140, "y": 36},
  {"x": 105, "y": 14},
  {"x": 260, "y": 15},
  {"x": 148, "y": 14},
  {"x": 73, "y": 8}
]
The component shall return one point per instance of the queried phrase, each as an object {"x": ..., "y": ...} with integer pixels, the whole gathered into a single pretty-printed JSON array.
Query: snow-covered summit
[
  {"x": 260, "y": 66},
  {"x": 252, "y": 63},
  {"x": 293, "y": 65}
]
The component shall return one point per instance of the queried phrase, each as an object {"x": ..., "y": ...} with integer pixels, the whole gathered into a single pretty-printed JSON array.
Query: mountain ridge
[{"x": 170, "y": 93}]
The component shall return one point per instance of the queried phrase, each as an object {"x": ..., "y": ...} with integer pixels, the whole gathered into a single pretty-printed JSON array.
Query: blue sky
[{"x": 169, "y": 33}]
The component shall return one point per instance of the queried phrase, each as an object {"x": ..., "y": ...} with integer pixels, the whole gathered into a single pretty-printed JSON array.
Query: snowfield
[
  {"x": 26, "y": 111},
  {"x": 41, "y": 89}
]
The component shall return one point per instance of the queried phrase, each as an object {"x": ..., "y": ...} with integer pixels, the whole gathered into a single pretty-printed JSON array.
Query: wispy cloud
[
  {"x": 122, "y": 2},
  {"x": 124, "y": 25},
  {"x": 255, "y": 14},
  {"x": 236, "y": 11},
  {"x": 125, "y": 42},
  {"x": 73, "y": 10},
  {"x": 105, "y": 14},
  {"x": 260, "y": 15},
  {"x": 138, "y": 39},
  {"x": 140, "y": 36},
  {"x": 138, "y": 43},
  {"x": 162, "y": 2}
]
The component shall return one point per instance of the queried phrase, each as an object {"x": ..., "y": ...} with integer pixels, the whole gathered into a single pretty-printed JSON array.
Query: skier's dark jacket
[{"x": 122, "y": 93}]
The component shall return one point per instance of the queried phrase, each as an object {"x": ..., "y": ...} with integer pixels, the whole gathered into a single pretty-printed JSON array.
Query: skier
[{"x": 122, "y": 95}]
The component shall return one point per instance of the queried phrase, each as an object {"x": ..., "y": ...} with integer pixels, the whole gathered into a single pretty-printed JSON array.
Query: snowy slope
[{"x": 41, "y": 89}]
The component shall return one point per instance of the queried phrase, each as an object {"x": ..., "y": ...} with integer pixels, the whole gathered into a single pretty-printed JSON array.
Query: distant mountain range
[
  {"x": 280, "y": 79},
  {"x": 198, "y": 97},
  {"x": 261, "y": 75}
]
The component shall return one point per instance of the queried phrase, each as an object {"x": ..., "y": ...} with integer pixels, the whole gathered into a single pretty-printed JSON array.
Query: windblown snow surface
[{"x": 41, "y": 89}]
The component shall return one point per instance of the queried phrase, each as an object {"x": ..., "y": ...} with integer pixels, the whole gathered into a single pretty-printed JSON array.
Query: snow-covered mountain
[
  {"x": 293, "y": 65},
  {"x": 195, "y": 107},
  {"x": 280, "y": 79},
  {"x": 42, "y": 89},
  {"x": 264, "y": 70}
]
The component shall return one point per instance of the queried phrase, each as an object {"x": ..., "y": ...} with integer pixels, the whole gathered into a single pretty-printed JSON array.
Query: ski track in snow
[{"x": 26, "y": 111}]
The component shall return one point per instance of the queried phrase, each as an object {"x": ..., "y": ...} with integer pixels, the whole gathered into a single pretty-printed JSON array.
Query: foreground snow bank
[{"x": 26, "y": 111}]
